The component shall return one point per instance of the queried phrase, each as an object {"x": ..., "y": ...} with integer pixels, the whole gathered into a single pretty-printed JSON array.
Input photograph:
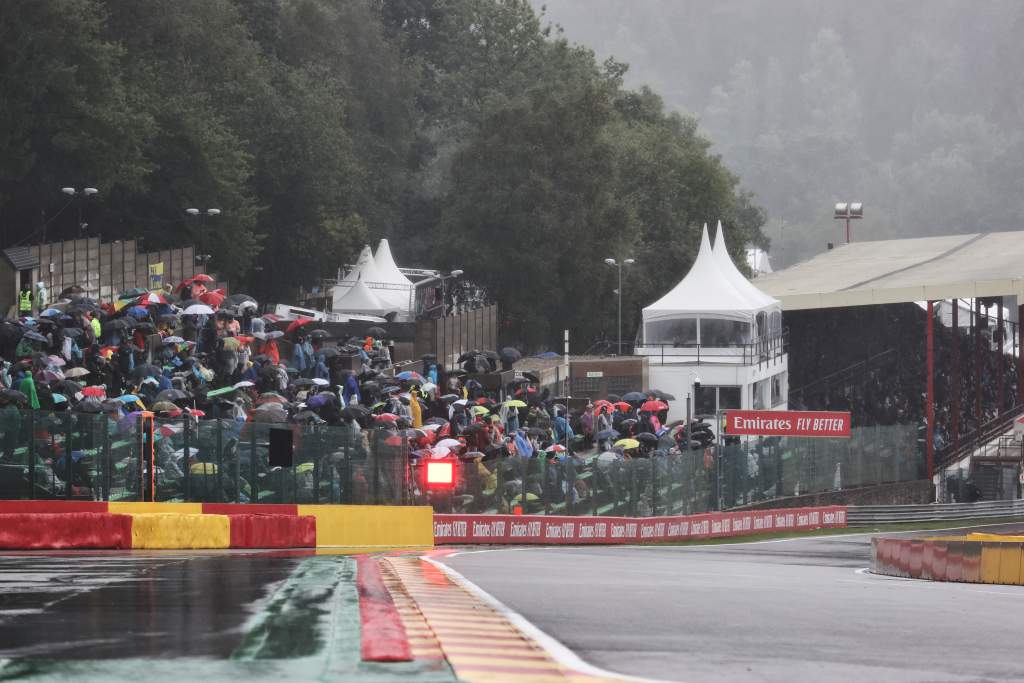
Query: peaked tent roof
[
  {"x": 386, "y": 265},
  {"x": 365, "y": 268},
  {"x": 736, "y": 278},
  {"x": 705, "y": 290},
  {"x": 360, "y": 299}
]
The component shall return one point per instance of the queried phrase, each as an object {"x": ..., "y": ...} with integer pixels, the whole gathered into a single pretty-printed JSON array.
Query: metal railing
[
  {"x": 762, "y": 351},
  {"x": 867, "y": 515},
  {"x": 974, "y": 440}
]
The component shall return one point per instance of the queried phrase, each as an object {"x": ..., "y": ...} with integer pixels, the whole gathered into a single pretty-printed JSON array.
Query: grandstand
[{"x": 862, "y": 337}]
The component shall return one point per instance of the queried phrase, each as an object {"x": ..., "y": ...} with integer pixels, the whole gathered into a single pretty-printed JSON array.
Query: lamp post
[
  {"x": 848, "y": 211},
  {"x": 617, "y": 264},
  {"x": 78, "y": 195}
]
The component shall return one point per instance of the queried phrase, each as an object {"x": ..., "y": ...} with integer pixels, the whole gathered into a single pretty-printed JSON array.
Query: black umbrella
[
  {"x": 146, "y": 370},
  {"x": 319, "y": 334},
  {"x": 607, "y": 434},
  {"x": 66, "y": 387},
  {"x": 303, "y": 382},
  {"x": 490, "y": 355},
  {"x": 450, "y": 398},
  {"x": 634, "y": 396},
  {"x": 661, "y": 395},
  {"x": 173, "y": 395},
  {"x": 89, "y": 405},
  {"x": 355, "y": 412},
  {"x": 377, "y": 332},
  {"x": 435, "y": 421},
  {"x": 13, "y": 395},
  {"x": 35, "y": 336},
  {"x": 614, "y": 398},
  {"x": 532, "y": 377},
  {"x": 73, "y": 332},
  {"x": 520, "y": 380},
  {"x": 117, "y": 324},
  {"x": 646, "y": 437},
  {"x": 510, "y": 354},
  {"x": 236, "y": 299},
  {"x": 467, "y": 355}
]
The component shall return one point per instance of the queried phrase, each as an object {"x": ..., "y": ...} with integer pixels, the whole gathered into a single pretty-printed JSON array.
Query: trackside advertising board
[
  {"x": 787, "y": 423},
  {"x": 552, "y": 530}
]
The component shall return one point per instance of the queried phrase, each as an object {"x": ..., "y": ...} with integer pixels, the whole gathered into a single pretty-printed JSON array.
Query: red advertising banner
[
  {"x": 787, "y": 423},
  {"x": 550, "y": 530}
]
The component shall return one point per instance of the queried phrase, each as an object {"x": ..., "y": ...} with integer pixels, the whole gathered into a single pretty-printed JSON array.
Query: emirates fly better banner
[{"x": 787, "y": 423}]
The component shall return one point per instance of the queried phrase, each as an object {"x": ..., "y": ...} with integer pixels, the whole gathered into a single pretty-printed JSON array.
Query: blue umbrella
[
  {"x": 138, "y": 312},
  {"x": 128, "y": 398},
  {"x": 607, "y": 434},
  {"x": 51, "y": 313}
]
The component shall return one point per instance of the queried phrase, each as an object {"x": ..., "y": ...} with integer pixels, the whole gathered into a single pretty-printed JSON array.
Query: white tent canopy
[
  {"x": 393, "y": 294},
  {"x": 386, "y": 266},
  {"x": 714, "y": 305},
  {"x": 365, "y": 268},
  {"x": 735, "y": 277},
  {"x": 359, "y": 299}
]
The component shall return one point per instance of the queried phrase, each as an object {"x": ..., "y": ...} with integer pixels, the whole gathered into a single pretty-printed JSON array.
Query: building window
[
  {"x": 709, "y": 400},
  {"x": 624, "y": 384},
  {"x": 778, "y": 389},
  {"x": 588, "y": 385}
]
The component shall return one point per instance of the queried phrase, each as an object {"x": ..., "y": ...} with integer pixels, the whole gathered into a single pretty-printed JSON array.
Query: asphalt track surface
[{"x": 797, "y": 609}]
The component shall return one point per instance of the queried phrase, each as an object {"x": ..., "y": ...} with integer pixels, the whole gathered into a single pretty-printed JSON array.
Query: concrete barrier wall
[
  {"x": 976, "y": 558},
  {"x": 550, "y": 530},
  {"x": 61, "y": 524}
]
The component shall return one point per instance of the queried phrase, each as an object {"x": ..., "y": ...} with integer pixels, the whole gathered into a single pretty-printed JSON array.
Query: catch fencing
[
  {"x": 76, "y": 456},
  {"x": 748, "y": 471}
]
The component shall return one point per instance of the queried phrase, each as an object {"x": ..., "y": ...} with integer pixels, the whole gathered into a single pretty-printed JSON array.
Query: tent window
[
  {"x": 723, "y": 333},
  {"x": 674, "y": 332}
]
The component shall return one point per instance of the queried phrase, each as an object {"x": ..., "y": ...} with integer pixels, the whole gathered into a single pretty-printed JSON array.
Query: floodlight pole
[
  {"x": 618, "y": 264},
  {"x": 930, "y": 383}
]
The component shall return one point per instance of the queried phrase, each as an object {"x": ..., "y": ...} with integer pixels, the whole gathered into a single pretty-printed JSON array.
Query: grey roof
[
  {"x": 21, "y": 258},
  {"x": 902, "y": 271}
]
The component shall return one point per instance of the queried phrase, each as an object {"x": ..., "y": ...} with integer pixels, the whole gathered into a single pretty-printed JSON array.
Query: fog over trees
[{"x": 914, "y": 108}]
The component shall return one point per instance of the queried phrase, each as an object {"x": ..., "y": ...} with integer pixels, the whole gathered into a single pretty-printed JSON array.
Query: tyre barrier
[
  {"x": 975, "y": 558},
  {"x": 552, "y": 530}
]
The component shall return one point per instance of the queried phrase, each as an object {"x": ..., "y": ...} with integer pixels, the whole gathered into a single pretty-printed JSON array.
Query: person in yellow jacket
[
  {"x": 25, "y": 300},
  {"x": 414, "y": 408},
  {"x": 97, "y": 329}
]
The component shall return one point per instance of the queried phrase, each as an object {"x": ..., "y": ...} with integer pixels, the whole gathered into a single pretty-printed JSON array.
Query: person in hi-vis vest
[{"x": 25, "y": 300}]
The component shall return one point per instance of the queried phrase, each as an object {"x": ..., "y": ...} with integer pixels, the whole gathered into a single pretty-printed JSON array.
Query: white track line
[{"x": 562, "y": 654}]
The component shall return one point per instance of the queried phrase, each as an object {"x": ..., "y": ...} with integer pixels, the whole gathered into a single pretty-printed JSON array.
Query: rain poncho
[{"x": 28, "y": 387}]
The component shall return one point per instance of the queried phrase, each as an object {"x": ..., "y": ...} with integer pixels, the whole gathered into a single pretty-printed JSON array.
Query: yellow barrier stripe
[
  {"x": 372, "y": 526},
  {"x": 175, "y": 532}
]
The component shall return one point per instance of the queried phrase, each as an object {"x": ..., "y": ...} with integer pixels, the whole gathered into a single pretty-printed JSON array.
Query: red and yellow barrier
[
  {"x": 88, "y": 524},
  {"x": 976, "y": 558}
]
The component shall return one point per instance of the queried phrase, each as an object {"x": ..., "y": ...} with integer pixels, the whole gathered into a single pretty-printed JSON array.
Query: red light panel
[{"x": 440, "y": 473}]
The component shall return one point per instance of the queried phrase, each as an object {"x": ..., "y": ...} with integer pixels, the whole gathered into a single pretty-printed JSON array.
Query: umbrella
[
  {"x": 385, "y": 416},
  {"x": 515, "y": 403},
  {"x": 146, "y": 370},
  {"x": 479, "y": 410},
  {"x": 622, "y": 405},
  {"x": 244, "y": 384},
  {"x": 647, "y": 437},
  {"x": 35, "y": 336},
  {"x": 152, "y": 299},
  {"x": 354, "y": 412},
  {"x": 219, "y": 392},
  {"x": 198, "y": 309},
  {"x": 532, "y": 377},
  {"x": 556, "y": 448},
  {"x": 59, "y": 398},
  {"x": 376, "y": 332},
  {"x": 172, "y": 395},
  {"x": 302, "y": 382},
  {"x": 634, "y": 396},
  {"x": 56, "y": 360},
  {"x": 330, "y": 352},
  {"x": 165, "y": 407},
  {"x": 89, "y": 405},
  {"x": 173, "y": 340},
  {"x": 51, "y": 313},
  {"x": 319, "y": 334},
  {"x": 628, "y": 443},
  {"x": 614, "y": 398},
  {"x": 510, "y": 354},
  {"x": 320, "y": 382},
  {"x": 66, "y": 386},
  {"x": 231, "y": 343},
  {"x": 409, "y": 375},
  {"x": 654, "y": 406},
  {"x": 450, "y": 398},
  {"x": 438, "y": 452},
  {"x": 661, "y": 395},
  {"x": 436, "y": 421},
  {"x": 238, "y": 299},
  {"x": 276, "y": 334},
  {"x": 13, "y": 395},
  {"x": 201, "y": 277},
  {"x": 450, "y": 443},
  {"x": 296, "y": 324},
  {"x": 607, "y": 434},
  {"x": 214, "y": 298},
  {"x": 94, "y": 391}
]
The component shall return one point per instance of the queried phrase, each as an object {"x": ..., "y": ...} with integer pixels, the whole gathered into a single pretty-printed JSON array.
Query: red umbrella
[
  {"x": 95, "y": 391},
  {"x": 151, "y": 299},
  {"x": 201, "y": 277},
  {"x": 184, "y": 284},
  {"x": 296, "y": 324},
  {"x": 654, "y": 406},
  {"x": 385, "y": 416},
  {"x": 213, "y": 298},
  {"x": 622, "y": 405}
]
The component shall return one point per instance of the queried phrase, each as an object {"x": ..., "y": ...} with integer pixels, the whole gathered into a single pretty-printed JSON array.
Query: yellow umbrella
[
  {"x": 628, "y": 443},
  {"x": 515, "y": 403},
  {"x": 479, "y": 410}
]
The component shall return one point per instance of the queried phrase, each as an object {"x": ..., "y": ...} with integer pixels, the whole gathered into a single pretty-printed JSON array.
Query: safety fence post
[
  {"x": 68, "y": 466},
  {"x": 108, "y": 460},
  {"x": 31, "y": 453},
  {"x": 186, "y": 434},
  {"x": 218, "y": 444},
  {"x": 254, "y": 490}
]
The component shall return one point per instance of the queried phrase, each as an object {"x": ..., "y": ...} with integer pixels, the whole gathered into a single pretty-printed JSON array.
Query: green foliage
[{"x": 465, "y": 130}]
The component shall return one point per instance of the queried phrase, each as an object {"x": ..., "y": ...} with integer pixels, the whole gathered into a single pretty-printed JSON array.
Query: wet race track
[
  {"x": 786, "y": 610},
  {"x": 796, "y": 609}
]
